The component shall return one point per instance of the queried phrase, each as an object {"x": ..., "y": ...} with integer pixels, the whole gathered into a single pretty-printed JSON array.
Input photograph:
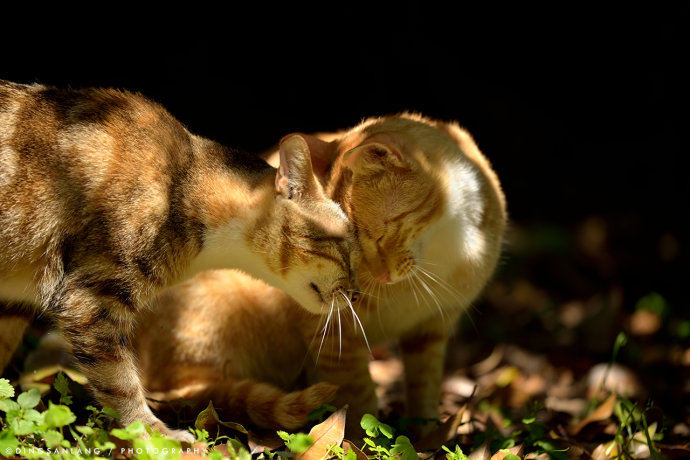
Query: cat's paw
[
  {"x": 184, "y": 436},
  {"x": 295, "y": 407},
  {"x": 180, "y": 435}
]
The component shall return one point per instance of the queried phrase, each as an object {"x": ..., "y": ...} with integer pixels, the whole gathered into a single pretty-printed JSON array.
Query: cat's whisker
[
  {"x": 414, "y": 291},
  {"x": 434, "y": 263},
  {"x": 340, "y": 334},
  {"x": 317, "y": 330},
  {"x": 364, "y": 292},
  {"x": 370, "y": 288},
  {"x": 432, "y": 295},
  {"x": 378, "y": 307},
  {"x": 381, "y": 289},
  {"x": 450, "y": 289},
  {"x": 354, "y": 315},
  {"x": 325, "y": 327},
  {"x": 443, "y": 283},
  {"x": 415, "y": 282},
  {"x": 365, "y": 276}
]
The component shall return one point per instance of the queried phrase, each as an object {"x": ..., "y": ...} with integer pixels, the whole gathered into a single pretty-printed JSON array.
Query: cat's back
[
  {"x": 48, "y": 125},
  {"x": 83, "y": 163}
]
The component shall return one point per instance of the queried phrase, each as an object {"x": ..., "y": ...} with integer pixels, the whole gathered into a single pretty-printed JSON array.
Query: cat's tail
[{"x": 258, "y": 403}]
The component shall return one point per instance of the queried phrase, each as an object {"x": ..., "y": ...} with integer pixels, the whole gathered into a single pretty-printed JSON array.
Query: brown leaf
[
  {"x": 489, "y": 363},
  {"x": 348, "y": 446},
  {"x": 444, "y": 433},
  {"x": 481, "y": 453},
  {"x": 326, "y": 434},
  {"x": 602, "y": 412},
  {"x": 259, "y": 442},
  {"x": 599, "y": 453},
  {"x": 208, "y": 420}
]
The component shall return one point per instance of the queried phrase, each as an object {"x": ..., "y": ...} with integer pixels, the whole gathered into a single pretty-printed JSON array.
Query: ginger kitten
[
  {"x": 430, "y": 216},
  {"x": 105, "y": 199}
]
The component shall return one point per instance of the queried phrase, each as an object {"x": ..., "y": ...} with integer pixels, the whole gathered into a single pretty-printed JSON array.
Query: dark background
[{"x": 583, "y": 110}]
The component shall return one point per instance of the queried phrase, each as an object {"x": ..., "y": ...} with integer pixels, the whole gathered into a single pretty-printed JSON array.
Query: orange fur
[{"x": 430, "y": 217}]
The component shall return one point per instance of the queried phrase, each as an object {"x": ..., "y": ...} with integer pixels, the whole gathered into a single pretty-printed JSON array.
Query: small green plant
[
  {"x": 29, "y": 429},
  {"x": 236, "y": 450},
  {"x": 634, "y": 435},
  {"x": 379, "y": 433},
  {"x": 527, "y": 431},
  {"x": 456, "y": 454},
  {"x": 340, "y": 453},
  {"x": 380, "y": 441},
  {"x": 298, "y": 442},
  {"x": 30, "y": 433}
]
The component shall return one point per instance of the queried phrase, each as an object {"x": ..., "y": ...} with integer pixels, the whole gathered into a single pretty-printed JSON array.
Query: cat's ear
[
  {"x": 294, "y": 177},
  {"x": 374, "y": 156},
  {"x": 321, "y": 154}
]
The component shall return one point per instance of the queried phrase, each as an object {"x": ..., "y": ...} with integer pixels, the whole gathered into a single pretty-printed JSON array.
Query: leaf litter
[{"x": 536, "y": 373}]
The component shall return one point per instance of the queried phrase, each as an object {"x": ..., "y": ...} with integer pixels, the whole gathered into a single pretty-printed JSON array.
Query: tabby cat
[
  {"x": 105, "y": 199},
  {"x": 430, "y": 217}
]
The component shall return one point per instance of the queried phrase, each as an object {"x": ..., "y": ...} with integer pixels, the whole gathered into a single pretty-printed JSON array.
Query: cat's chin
[
  {"x": 324, "y": 302},
  {"x": 323, "y": 307}
]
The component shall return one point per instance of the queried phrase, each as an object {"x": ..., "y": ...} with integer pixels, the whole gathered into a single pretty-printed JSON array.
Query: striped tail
[{"x": 257, "y": 403}]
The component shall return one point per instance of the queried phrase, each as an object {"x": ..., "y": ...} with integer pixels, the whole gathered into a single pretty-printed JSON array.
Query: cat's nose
[
  {"x": 385, "y": 277},
  {"x": 350, "y": 290},
  {"x": 340, "y": 286}
]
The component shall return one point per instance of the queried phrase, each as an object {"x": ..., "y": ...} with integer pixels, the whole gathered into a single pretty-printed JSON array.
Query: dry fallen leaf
[
  {"x": 208, "y": 420},
  {"x": 481, "y": 453},
  {"x": 489, "y": 363},
  {"x": 350, "y": 446},
  {"x": 330, "y": 432},
  {"x": 259, "y": 442},
  {"x": 602, "y": 412},
  {"x": 614, "y": 378}
]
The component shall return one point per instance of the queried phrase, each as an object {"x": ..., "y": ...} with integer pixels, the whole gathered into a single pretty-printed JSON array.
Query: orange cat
[
  {"x": 430, "y": 216},
  {"x": 105, "y": 199}
]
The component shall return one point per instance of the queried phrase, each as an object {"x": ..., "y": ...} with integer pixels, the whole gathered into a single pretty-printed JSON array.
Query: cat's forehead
[
  {"x": 330, "y": 220},
  {"x": 423, "y": 142},
  {"x": 396, "y": 197}
]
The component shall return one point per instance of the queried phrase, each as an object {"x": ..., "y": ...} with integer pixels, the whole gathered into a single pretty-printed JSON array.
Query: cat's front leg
[
  {"x": 97, "y": 321},
  {"x": 423, "y": 355}
]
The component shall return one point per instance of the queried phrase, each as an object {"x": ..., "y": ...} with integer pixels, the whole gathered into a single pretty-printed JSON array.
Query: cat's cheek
[
  {"x": 305, "y": 288},
  {"x": 374, "y": 265}
]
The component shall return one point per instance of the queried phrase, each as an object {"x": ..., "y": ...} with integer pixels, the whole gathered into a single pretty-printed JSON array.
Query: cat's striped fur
[
  {"x": 105, "y": 199},
  {"x": 430, "y": 215}
]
